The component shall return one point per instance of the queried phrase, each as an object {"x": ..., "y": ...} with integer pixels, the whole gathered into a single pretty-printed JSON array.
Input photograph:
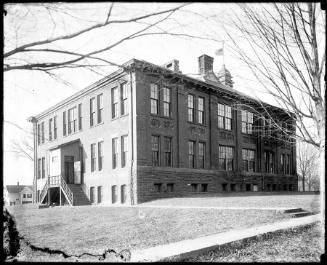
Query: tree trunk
[{"x": 303, "y": 182}]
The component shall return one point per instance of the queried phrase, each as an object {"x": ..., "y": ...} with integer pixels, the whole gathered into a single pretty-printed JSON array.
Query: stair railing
[
  {"x": 44, "y": 190},
  {"x": 69, "y": 194}
]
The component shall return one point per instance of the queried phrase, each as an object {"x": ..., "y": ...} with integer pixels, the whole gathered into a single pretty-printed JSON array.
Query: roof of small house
[{"x": 17, "y": 189}]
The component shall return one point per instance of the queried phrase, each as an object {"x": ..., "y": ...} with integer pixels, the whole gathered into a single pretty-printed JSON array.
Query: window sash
[
  {"x": 55, "y": 127},
  {"x": 50, "y": 129},
  {"x": 100, "y": 107},
  {"x": 114, "y": 152},
  {"x": 93, "y": 157},
  {"x": 100, "y": 155},
  {"x": 80, "y": 116}
]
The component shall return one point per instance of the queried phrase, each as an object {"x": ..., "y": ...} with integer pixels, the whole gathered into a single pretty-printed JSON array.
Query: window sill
[
  {"x": 98, "y": 124},
  {"x": 161, "y": 116},
  {"x": 117, "y": 118},
  {"x": 196, "y": 123}
]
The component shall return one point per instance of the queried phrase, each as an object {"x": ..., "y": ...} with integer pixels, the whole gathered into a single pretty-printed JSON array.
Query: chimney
[
  {"x": 173, "y": 65},
  {"x": 205, "y": 64}
]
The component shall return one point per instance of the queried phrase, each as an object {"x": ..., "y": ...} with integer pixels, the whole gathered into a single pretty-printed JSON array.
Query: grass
[
  {"x": 302, "y": 244},
  {"x": 308, "y": 202},
  {"x": 76, "y": 230}
]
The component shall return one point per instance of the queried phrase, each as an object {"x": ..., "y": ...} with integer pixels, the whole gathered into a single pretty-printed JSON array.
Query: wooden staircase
[
  {"x": 72, "y": 192},
  {"x": 80, "y": 197}
]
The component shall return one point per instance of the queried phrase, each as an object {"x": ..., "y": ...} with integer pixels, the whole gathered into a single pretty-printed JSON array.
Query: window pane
[
  {"x": 221, "y": 122},
  {"x": 154, "y": 91},
  {"x": 201, "y": 104},
  {"x": 190, "y": 101},
  {"x": 228, "y": 124},
  {"x": 228, "y": 110},
  {"x": 244, "y": 116},
  {"x": 221, "y": 110}
]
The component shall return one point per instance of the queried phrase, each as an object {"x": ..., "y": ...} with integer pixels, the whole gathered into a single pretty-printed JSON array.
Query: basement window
[
  {"x": 248, "y": 187},
  {"x": 233, "y": 187},
  {"x": 170, "y": 187},
  {"x": 194, "y": 187},
  {"x": 157, "y": 187},
  {"x": 224, "y": 185},
  {"x": 204, "y": 187}
]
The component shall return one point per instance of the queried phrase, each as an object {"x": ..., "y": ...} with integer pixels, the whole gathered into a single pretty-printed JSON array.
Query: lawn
[
  {"x": 307, "y": 201},
  {"x": 76, "y": 230},
  {"x": 297, "y": 245}
]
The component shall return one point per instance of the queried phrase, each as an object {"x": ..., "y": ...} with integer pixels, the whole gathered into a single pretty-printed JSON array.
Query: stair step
[
  {"x": 293, "y": 210},
  {"x": 300, "y": 214}
]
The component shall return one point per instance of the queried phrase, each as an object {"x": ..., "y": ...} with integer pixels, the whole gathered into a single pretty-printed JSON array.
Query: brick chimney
[
  {"x": 173, "y": 65},
  {"x": 205, "y": 64}
]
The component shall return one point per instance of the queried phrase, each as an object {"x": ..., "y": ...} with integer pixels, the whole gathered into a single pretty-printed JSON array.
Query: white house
[{"x": 18, "y": 194}]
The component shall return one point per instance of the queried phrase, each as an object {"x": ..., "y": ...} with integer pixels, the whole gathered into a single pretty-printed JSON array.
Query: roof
[
  {"x": 141, "y": 64},
  {"x": 17, "y": 189}
]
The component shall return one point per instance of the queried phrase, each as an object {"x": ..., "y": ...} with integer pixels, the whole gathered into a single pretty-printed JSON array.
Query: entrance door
[{"x": 69, "y": 169}]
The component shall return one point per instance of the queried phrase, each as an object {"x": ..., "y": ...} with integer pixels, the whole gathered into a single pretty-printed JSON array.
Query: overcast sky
[{"x": 27, "y": 93}]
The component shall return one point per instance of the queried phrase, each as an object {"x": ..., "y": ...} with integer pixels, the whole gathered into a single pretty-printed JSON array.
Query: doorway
[{"x": 69, "y": 169}]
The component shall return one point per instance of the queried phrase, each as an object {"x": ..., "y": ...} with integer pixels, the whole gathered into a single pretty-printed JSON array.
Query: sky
[{"x": 27, "y": 93}]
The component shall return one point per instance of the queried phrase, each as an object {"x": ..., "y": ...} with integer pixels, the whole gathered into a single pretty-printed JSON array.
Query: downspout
[
  {"x": 132, "y": 139},
  {"x": 34, "y": 121}
]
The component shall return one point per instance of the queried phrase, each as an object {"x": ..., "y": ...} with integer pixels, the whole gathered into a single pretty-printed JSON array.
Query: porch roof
[{"x": 66, "y": 143}]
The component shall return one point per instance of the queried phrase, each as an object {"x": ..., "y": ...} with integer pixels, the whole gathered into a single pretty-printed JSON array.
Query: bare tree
[
  {"x": 23, "y": 146},
  {"x": 46, "y": 54},
  {"x": 284, "y": 46},
  {"x": 307, "y": 162}
]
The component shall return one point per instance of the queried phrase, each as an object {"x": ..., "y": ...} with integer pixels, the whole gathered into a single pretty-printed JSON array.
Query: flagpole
[{"x": 223, "y": 53}]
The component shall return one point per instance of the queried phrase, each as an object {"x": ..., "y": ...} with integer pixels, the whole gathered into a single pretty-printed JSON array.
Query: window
[
  {"x": 248, "y": 187},
  {"x": 154, "y": 99},
  {"x": 100, "y": 107},
  {"x": 248, "y": 160},
  {"x": 43, "y": 167},
  {"x": 255, "y": 187},
  {"x": 191, "y": 156},
  {"x": 39, "y": 168},
  {"x": 290, "y": 187},
  {"x": 124, "y": 150},
  {"x": 93, "y": 157},
  {"x": 114, "y": 102},
  {"x": 201, "y": 154},
  {"x": 99, "y": 194},
  {"x": 155, "y": 150},
  {"x": 24, "y": 195},
  {"x": 204, "y": 187},
  {"x": 29, "y": 196},
  {"x": 64, "y": 124},
  {"x": 269, "y": 161},
  {"x": 274, "y": 187},
  {"x": 166, "y": 102},
  {"x": 92, "y": 195},
  {"x": 114, "y": 153},
  {"x": 157, "y": 187},
  {"x": 267, "y": 127},
  {"x": 268, "y": 187},
  {"x": 72, "y": 120},
  {"x": 247, "y": 122},
  {"x": 288, "y": 164},
  {"x": 92, "y": 111},
  {"x": 194, "y": 187},
  {"x": 124, "y": 97},
  {"x": 100, "y": 155},
  {"x": 80, "y": 116},
  {"x": 226, "y": 158},
  {"x": 190, "y": 107},
  {"x": 233, "y": 187},
  {"x": 55, "y": 127},
  {"x": 224, "y": 117},
  {"x": 224, "y": 186},
  {"x": 50, "y": 129},
  {"x": 38, "y": 134},
  {"x": 170, "y": 187},
  {"x": 167, "y": 150},
  {"x": 114, "y": 194},
  {"x": 42, "y": 132},
  {"x": 282, "y": 163},
  {"x": 123, "y": 194},
  {"x": 201, "y": 110}
]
